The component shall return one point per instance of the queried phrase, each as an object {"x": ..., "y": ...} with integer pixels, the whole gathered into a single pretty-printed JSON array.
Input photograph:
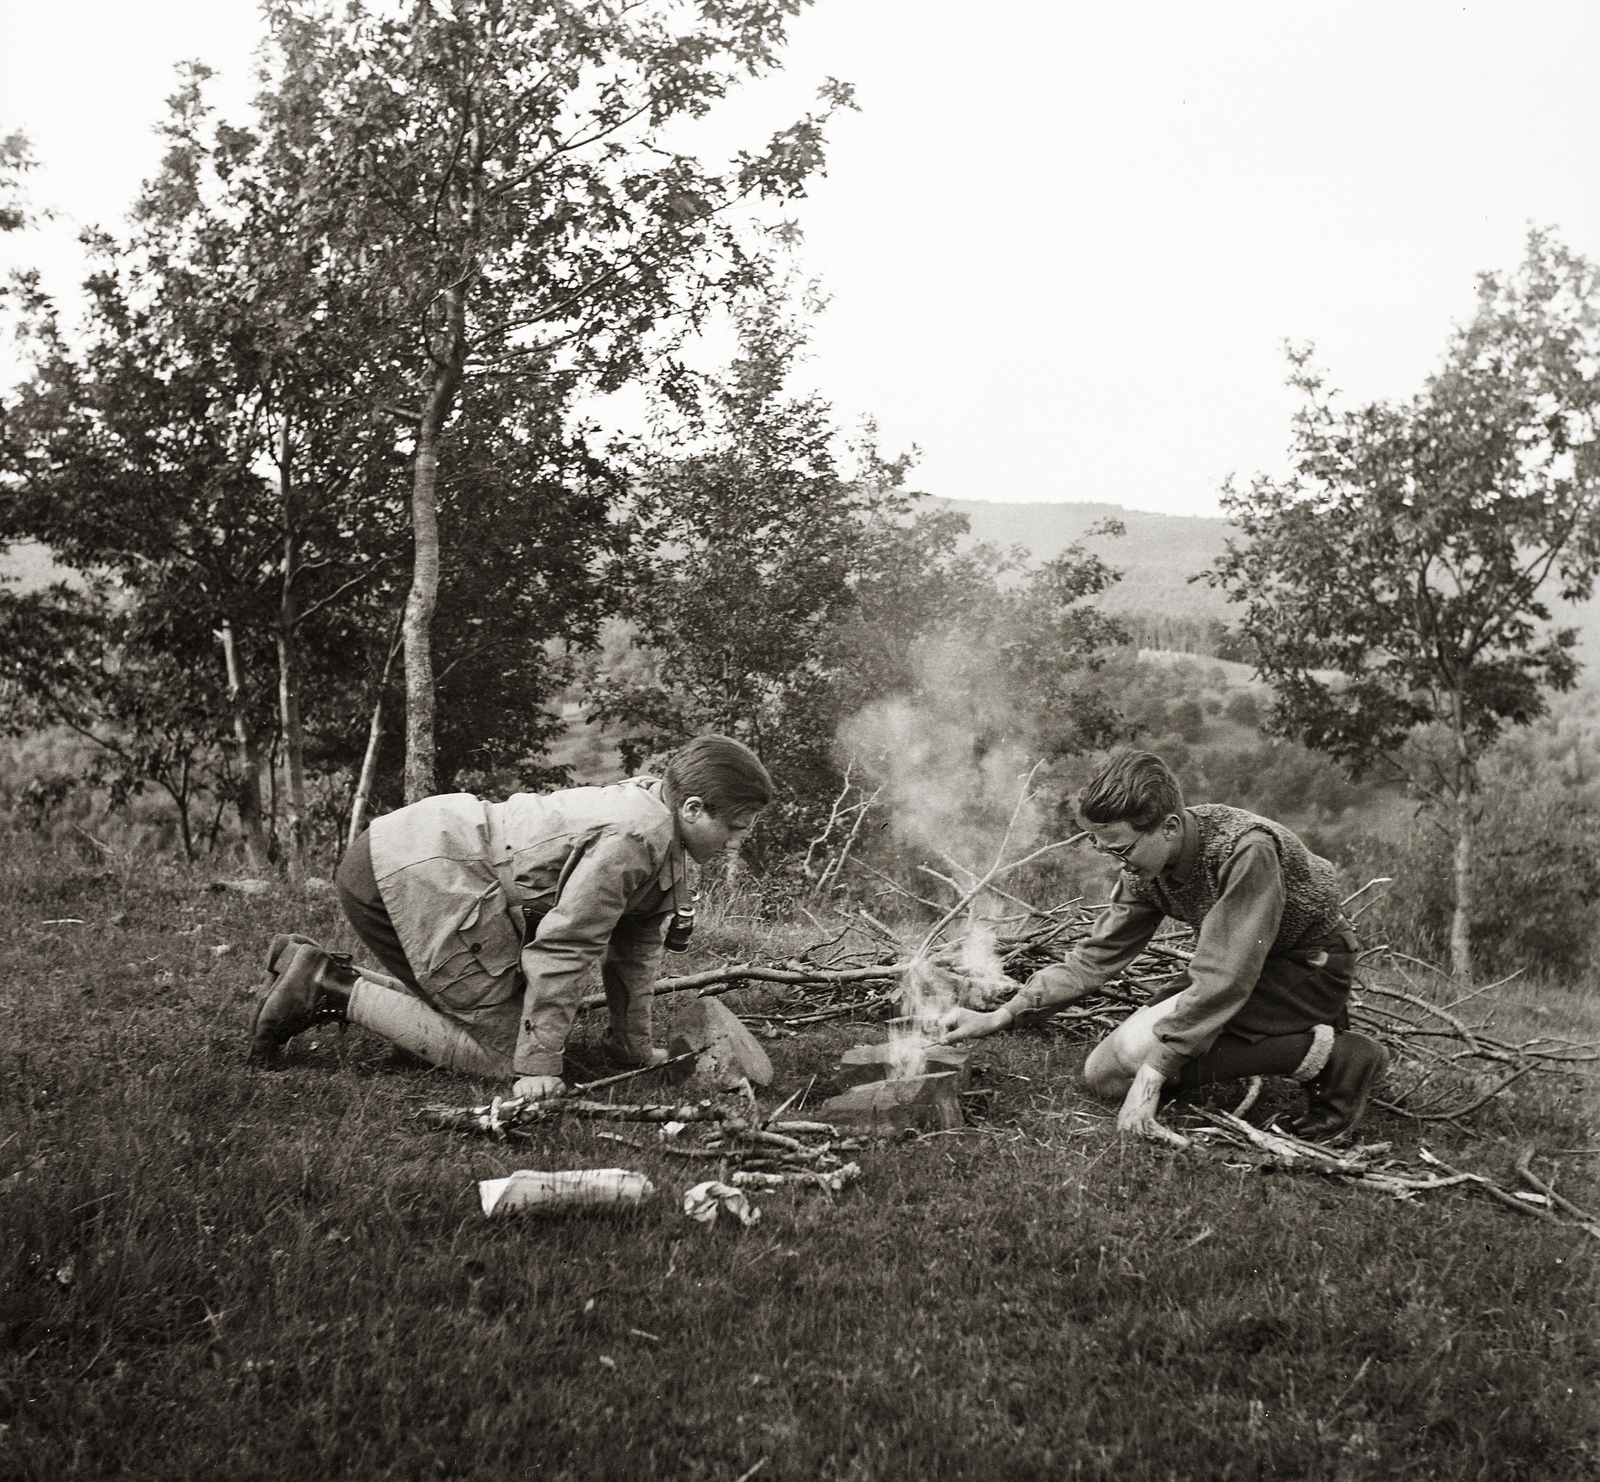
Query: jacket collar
[{"x": 674, "y": 874}]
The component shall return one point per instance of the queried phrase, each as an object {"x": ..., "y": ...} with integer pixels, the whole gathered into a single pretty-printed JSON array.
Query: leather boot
[
  {"x": 307, "y": 987},
  {"x": 621, "y": 1053},
  {"x": 1338, "y": 1095}
]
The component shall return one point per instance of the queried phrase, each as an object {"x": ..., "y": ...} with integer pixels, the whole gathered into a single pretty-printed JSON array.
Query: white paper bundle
[{"x": 527, "y": 1189}]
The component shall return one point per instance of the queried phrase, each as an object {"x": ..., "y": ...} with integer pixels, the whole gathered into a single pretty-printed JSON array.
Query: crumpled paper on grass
[
  {"x": 704, "y": 1202},
  {"x": 528, "y": 1189}
]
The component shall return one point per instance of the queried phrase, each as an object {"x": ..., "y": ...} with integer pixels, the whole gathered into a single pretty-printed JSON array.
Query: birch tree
[{"x": 504, "y": 178}]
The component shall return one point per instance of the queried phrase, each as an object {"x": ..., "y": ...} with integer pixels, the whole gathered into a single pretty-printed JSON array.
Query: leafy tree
[
  {"x": 497, "y": 177},
  {"x": 16, "y": 158},
  {"x": 222, "y": 444},
  {"x": 1417, "y": 548},
  {"x": 784, "y": 594},
  {"x": 750, "y": 541},
  {"x": 82, "y": 660},
  {"x": 204, "y": 362}
]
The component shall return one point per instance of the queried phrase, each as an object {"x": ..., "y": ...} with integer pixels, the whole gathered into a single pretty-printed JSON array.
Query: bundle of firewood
[{"x": 748, "y": 1148}]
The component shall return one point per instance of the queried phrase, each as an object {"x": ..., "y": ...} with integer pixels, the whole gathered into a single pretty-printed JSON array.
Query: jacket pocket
[{"x": 479, "y": 960}]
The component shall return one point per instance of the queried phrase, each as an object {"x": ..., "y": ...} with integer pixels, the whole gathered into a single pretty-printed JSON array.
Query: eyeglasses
[{"x": 1121, "y": 855}]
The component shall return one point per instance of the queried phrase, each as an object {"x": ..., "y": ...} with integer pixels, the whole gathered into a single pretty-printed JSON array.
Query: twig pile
[
  {"x": 1442, "y": 1066},
  {"x": 1367, "y": 1167},
  {"x": 749, "y": 1149}
]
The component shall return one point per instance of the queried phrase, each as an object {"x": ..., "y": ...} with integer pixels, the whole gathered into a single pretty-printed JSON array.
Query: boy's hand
[
  {"x": 1138, "y": 1114},
  {"x": 956, "y": 1025},
  {"x": 538, "y": 1087}
]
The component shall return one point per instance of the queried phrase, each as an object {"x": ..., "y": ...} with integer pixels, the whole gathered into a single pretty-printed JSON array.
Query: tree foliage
[
  {"x": 327, "y": 377},
  {"x": 791, "y": 580},
  {"x": 1417, "y": 549},
  {"x": 496, "y": 180}
]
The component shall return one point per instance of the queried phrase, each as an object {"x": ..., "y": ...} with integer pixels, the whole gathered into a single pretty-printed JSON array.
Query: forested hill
[
  {"x": 1160, "y": 553},
  {"x": 1156, "y": 557}
]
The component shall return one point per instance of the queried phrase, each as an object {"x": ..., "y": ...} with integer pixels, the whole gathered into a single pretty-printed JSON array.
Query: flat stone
[
  {"x": 880, "y": 1108},
  {"x": 725, "y": 1051},
  {"x": 862, "y": 1064}
]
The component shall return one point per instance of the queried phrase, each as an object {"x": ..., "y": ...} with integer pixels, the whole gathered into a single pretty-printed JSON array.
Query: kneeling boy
[{"x": 1267, "y": 989}]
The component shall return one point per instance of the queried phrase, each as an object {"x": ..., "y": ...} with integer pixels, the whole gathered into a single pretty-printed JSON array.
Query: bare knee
[{"x": 1103, "y": 1072}]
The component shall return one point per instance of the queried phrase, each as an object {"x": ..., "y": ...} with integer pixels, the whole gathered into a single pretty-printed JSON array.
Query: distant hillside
[
  {"x": 1156, "y": 557},
  {"x": 1160, "y": 553}
]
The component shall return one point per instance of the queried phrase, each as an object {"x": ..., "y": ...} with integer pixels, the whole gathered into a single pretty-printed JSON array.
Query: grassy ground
[{"x": 209, "y": 1271}]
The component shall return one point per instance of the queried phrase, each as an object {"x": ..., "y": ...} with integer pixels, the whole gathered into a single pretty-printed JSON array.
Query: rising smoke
[{"x": 950, "y": 778}]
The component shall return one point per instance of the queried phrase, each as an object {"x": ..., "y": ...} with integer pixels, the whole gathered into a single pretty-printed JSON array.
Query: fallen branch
[
  {"x": 502, "y": 1116},
  {"x": 1496, "y": 1192},
  {"x": 741, "y": 972},
  {"x": 1586, "y": 1220},
  {"x": 831, "y": 1181}
]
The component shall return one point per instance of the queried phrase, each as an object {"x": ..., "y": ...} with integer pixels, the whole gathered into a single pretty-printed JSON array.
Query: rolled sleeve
[
  {"x": 1235, "y": 938},
  {"x": 1120, "y": 935},
  {"x": 570, "y": 939}
]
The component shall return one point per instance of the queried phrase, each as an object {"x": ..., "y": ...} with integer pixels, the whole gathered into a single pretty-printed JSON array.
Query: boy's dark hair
[
  {"x": 723, "y": 773},
  {"x": 1135, "y": 787}
]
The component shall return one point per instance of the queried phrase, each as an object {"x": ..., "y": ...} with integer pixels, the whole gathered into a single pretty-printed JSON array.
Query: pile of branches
[
  {"x": 748, "y": 1149},
  {"x": 1369, "y": 1167},
  {"x": 1446, "y": 1057},
  {"x": 990, "y": 940}
]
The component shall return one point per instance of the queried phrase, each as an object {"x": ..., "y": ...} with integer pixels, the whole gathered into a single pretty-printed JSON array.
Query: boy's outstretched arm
[
  {"x": 1121, "y": 934},
  {"x": 956, "y": 1025}
]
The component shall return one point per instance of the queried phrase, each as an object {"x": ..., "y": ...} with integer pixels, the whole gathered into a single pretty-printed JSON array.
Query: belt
[{"x": 1315, "y": 953}]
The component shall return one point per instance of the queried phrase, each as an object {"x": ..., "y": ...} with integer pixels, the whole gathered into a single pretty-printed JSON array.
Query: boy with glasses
[{"x": 1268, "y": 987}]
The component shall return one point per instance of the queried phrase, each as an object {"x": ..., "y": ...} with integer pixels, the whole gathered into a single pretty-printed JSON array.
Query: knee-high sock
[
  {"x": 413, "y": 1025},
  {"x": 1235, "y": 1059}
]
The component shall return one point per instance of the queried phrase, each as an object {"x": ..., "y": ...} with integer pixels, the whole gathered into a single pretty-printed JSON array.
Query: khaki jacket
[{"x": 548, "y": 883}]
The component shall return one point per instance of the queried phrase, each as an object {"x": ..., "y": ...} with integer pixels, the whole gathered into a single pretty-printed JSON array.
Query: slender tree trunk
[
  {"x": 1461, "y": 918},
  {"x": 252, "y": 823},
  {"x": 369, "y": 767},
  {"x": 369, "y": 762},
  {"x": 420, "y": 605},
  {"x": 417, "y": 629},
  {"x": 288, "y": 674},
  {"x": 448, "y": 351}
]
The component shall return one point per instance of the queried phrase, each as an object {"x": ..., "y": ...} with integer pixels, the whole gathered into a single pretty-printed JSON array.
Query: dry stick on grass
[
  {"x": 1584, "y": 1218},
  {"x": 739, "y": 972},
  {"x": 896, "y": 886},
  {"x": 1427, "y": 1008},
  {"x": 1496, "y": 1192},
  {"x": 504, "y": 1115},
  {"x": 628, "y": 1075},
  {"x": 663, "y": 1147},
  {"x": 979, "y": 888},
  {"x": 1016, "y": 900}
]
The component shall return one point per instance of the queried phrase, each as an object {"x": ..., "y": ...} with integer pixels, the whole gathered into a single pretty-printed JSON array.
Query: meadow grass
[{"x": 212, "y": 1271}]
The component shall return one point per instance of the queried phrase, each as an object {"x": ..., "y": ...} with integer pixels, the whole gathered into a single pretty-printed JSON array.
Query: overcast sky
[{"x": 1064, "y": 241}]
